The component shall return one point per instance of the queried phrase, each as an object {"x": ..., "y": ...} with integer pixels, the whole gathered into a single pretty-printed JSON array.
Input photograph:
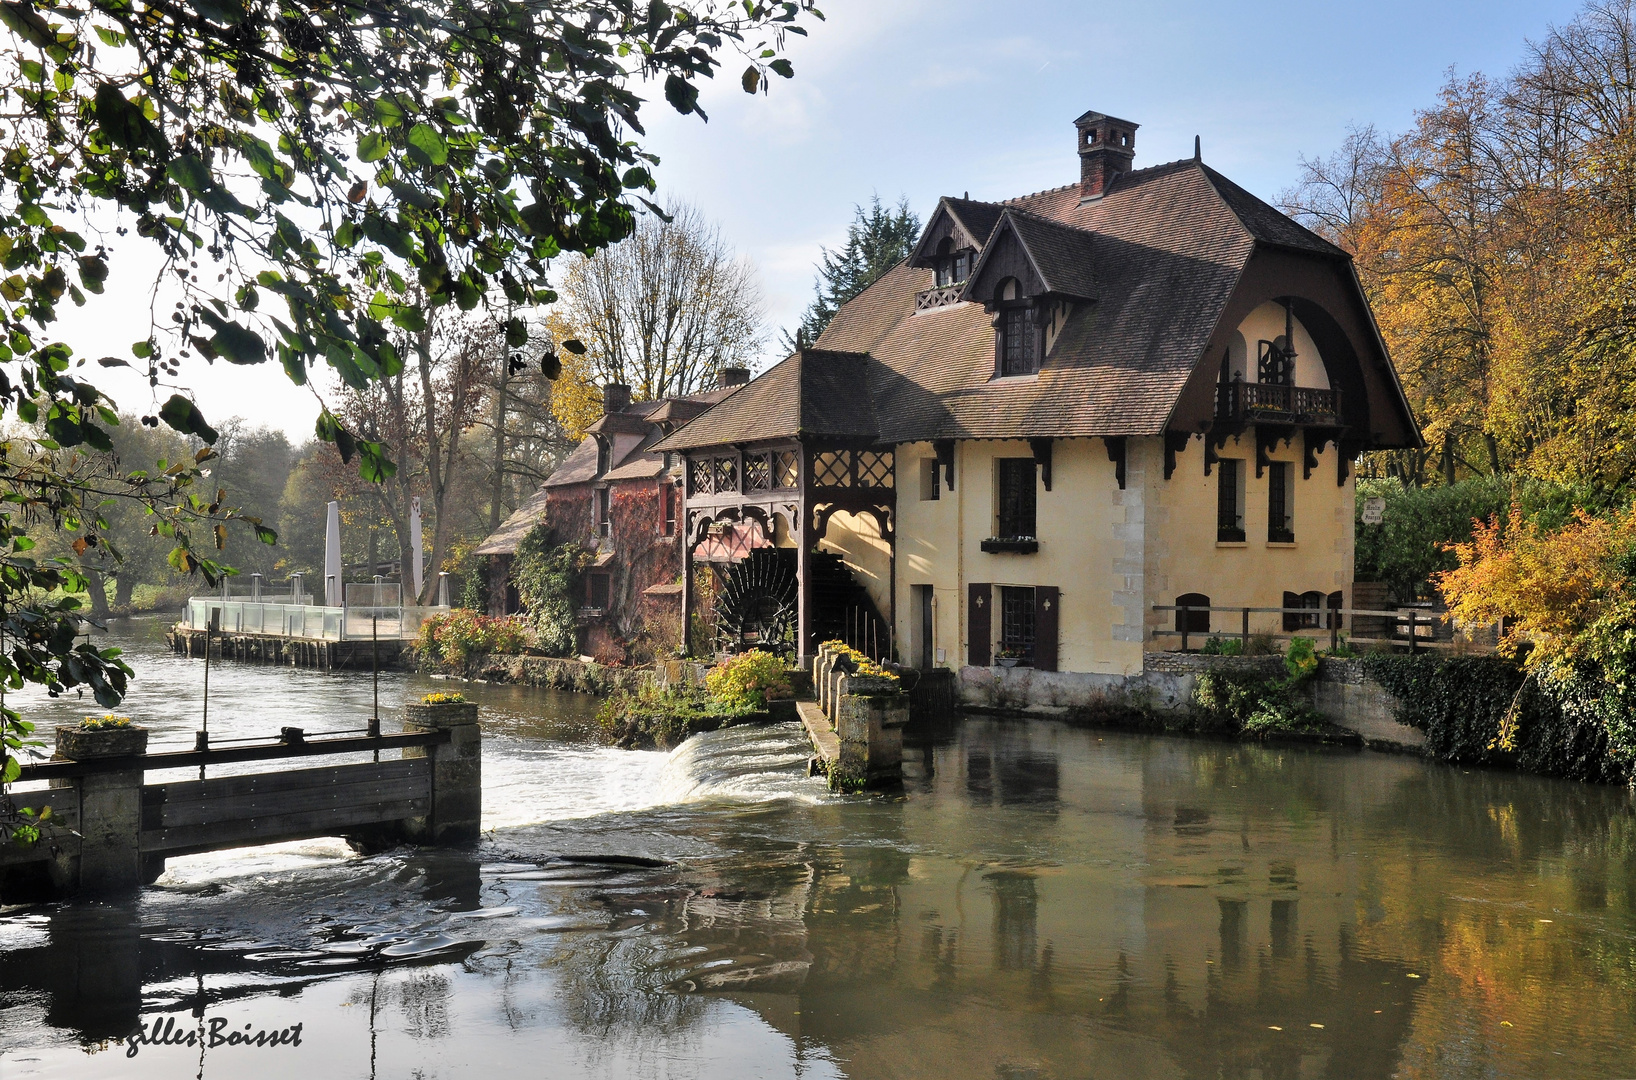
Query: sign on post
[{"x": 1374, "y": 510}]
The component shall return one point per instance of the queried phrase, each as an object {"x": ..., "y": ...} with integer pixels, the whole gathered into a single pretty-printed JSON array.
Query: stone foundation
[{"x": 1341, "y": 693}]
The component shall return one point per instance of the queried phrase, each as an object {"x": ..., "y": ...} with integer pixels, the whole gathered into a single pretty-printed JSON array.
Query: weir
[{"x": 110, "y": 832}]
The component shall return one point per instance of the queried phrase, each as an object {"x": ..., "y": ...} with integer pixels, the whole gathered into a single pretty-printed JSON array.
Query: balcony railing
[
  {"x": 1277, "y": 404},
  {"x": 940, "y": 296}
]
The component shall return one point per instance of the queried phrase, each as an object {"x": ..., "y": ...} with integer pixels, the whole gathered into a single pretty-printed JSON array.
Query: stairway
[{"x": 843, "y": 609}]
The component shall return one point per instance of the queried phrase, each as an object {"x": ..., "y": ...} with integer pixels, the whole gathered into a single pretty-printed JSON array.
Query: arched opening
[{"x": 1195, "y": 621}]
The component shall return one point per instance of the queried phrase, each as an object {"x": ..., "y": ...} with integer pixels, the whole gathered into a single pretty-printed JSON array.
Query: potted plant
[
  {"x": 102, "y": 737},
  {"x": 441, "y": 709},
  {"x": 1008, "y": 658}
]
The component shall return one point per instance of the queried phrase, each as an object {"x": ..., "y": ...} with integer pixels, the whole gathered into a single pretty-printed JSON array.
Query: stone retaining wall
[{"x": 1341, "y": 692}]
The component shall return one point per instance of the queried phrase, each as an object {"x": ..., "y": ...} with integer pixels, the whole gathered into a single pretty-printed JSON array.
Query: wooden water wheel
[{"x": 756, "y": 606}]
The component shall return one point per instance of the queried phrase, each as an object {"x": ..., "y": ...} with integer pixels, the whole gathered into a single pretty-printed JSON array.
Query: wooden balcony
[
  {"x": 1270, "y": 403},
  {"x": 940, "y": 296}
]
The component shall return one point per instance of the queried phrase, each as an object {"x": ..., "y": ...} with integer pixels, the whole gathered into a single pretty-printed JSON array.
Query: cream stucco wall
[
  {"x": 1182, "y": 554},
  {"x": 1085, "y": 531},
  {"x": 857, "y": 539},
  {"x": 1266, "y": 323},
  {"x": 1113, "y": 554}
]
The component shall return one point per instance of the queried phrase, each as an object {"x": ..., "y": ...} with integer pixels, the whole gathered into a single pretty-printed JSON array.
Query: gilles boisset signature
[{"x": 165, "y": 1032}]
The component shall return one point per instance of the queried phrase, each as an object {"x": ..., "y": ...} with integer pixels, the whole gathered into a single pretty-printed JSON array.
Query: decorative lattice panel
[
  {"x": 726, "y": 474},
  {"x": 787, "y": 469},
  {"x": 832, "y": 469},
  {"x": 698, "y": 477},
  {"x": 875, "y": 469},
  {"x": 758, "y": 473}
]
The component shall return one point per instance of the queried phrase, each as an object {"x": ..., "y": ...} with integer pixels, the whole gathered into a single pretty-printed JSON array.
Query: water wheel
[{"x": 756, "y": 606}]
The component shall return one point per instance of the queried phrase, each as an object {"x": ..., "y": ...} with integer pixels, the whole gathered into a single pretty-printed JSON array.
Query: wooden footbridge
[{"x": 109, "y": 831}]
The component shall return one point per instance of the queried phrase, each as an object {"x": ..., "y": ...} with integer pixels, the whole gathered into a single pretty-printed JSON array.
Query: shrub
[
  {"x": 1216, "y": 645},
  {"x": 1241, "y": 701},
  {"x": 1411, "y": 545},
  {"x": 451, "y": 638},
  {"x": 548, "y": 579},
  {"x": 743, "y": 683}
]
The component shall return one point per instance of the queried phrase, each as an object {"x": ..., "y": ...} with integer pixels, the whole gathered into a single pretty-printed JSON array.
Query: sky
[{"x": 922, "y": 98}]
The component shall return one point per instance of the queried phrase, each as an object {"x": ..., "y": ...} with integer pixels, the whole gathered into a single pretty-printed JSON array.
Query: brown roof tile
[{"x": 814, "y": 393}]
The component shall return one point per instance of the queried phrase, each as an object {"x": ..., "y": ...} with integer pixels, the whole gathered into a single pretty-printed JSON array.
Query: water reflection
[{"x": 1041, "y": 902}]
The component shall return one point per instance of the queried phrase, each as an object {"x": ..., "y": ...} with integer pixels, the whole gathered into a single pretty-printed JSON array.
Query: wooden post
[
  {"x": 1414, "y": 639},
  {"x": 110, "y": 819},
  {"x": 457, "y": 772},
  {"x": 1187, "y": 624},
  {"x": 1246, "y": 637}
]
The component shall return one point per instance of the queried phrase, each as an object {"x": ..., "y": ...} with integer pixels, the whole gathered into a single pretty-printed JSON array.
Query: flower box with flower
[
  {"x": 101, "y": 737},
  {"x": 440, "y": 709},
  {"x": 1009, "y": 658}
]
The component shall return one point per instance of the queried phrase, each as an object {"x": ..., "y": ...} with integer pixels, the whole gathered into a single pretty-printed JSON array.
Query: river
[{"x": 1041, "y": 901}]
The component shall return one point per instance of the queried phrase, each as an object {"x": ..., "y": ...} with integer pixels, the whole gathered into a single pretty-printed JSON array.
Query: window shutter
[
  {"x": 979, "y": 608},
  {"x": 1046, "y": 602},
  {"x": 1292, "y": 621}
]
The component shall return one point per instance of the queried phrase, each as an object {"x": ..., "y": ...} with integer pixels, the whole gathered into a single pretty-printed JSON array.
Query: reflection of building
[
  {"x": 1061, "y": 411},
  {"x": 619, "y": 497}
]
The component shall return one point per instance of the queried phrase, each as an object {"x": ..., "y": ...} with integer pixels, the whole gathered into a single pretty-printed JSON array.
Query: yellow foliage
[
  {"x": 576, "y": 398},
  {"x": 1552, "y": 585}
]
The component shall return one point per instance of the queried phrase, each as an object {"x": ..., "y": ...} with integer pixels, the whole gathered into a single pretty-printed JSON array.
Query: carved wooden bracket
[
  {"x": 945, "y": 458},
  {"x": 1175, "y": 443},
  {"x": 1116, "y": 454},
  {"x": 1042, "y": 458}
]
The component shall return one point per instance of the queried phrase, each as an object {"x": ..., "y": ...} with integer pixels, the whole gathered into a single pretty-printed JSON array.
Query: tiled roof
[
  {"x": 505, "y": 539},
  {"x": 977, "y": 218},
  {"x": 1161, "y": 255},
  {"x": 1062, "y": 255},
  {"x": 1158, "y": 257},
  {"x": 815, "y": 393}
]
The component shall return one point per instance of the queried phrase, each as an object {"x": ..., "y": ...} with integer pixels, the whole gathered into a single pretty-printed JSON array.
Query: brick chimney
[
  {"x": 732, "y": 376},
  {"x": 616, "y": 397},
  {"x": 1107, "y": 145}
]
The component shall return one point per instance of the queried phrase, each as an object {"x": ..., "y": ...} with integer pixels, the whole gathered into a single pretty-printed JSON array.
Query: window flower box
[{"x": 1010, "y": 545}]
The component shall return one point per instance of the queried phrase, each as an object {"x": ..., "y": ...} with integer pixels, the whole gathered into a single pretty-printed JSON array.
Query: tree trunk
[
  {"x": 98, "y": 589},
  {"x": 1448, "y": 458},
  {"x": 123, "y": 585}
]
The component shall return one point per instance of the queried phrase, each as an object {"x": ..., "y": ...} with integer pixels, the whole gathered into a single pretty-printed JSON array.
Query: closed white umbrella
[
  {"x": 333, "y": 591},
  {"x": 416, "y": 555}
]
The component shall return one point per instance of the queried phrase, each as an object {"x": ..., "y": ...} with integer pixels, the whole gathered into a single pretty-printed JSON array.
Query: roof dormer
[{"x": 950, "y": 246}]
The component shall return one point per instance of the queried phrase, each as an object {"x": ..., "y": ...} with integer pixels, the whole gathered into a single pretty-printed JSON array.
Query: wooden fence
[{"x": 1410, "y": 628}]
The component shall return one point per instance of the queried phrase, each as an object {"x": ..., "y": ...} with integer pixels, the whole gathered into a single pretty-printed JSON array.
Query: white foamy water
[
  {"x": 751, "y": 764},
  {"x": 531, "y": 783}
]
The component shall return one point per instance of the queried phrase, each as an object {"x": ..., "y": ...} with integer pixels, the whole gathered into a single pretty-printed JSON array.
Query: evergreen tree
[{"x": 878, "y": 239}]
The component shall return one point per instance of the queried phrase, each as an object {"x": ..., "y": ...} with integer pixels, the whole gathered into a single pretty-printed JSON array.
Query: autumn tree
[
  {"x": 662, "y": 312},
  {"x": 319, "y": 158},
  {"x": 425, "y": 411},
  {"x": 1495, "y": 239}
]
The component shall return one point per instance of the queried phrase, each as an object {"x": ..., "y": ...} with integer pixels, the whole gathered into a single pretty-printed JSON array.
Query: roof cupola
[{"x": 1107, "y": 146}]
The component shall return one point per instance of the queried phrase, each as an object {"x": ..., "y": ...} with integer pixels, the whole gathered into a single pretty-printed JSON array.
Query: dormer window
[
  {"x": 951, "y": 266},
  {"x": 604, "y": 456},
  {"x": 1017, "y": 344}
]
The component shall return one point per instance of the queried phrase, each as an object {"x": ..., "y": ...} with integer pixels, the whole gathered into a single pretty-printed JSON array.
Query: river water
[{"x": 1040, "y": 901}]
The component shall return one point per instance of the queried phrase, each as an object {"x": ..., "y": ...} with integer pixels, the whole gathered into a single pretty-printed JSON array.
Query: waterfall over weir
[{"x": 750, "y": 764}]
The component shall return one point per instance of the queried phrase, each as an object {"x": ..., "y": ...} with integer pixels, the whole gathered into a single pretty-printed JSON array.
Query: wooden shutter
[
  {"x": 1046, "y": 602},
  {"x": 979, "y": 608}
]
